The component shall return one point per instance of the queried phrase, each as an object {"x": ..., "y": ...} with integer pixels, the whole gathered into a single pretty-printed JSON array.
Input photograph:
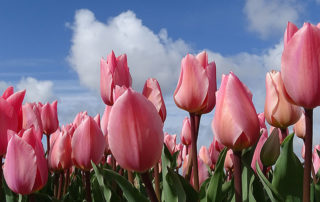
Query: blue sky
[{"x": 53, "y": 48}]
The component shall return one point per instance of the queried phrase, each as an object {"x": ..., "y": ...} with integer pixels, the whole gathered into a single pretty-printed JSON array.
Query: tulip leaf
[
  {"x": 270, "y": 151},
  {"x": 288, "y": 172},
  {"x": 175, "y": 183},
  {"x": 130, "y": 193},
  {"x": 105, "y": 191},
  {"x": 271, "y": 191},
  {"x": 215, "y": 186},
  {"x": 316, "y": 192}
]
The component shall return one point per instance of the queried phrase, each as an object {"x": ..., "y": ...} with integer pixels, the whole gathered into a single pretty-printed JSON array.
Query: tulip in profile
[
  {"x": 197, "y": 84},
  {"x": 299, "y": 128},
  {"x": 113, "y": 72},
  {"x": 88, "y": 144},
  {"x": 256, "y": 155},
  {"x": 25, "y": 169},
  {"x": 49, "y": 117},
  {"x": 170, "y": 141},
  {"x": 185, "y": 134},
  {"x": 152, "y": 91},
  {"x": 277, "y": 110},
  {"x": 135, "y": 133},
  {"x": 205, "y": 156}
]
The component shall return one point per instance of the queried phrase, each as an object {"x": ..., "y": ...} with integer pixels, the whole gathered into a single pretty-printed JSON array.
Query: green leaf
[
  {"x": 270, "y": 151},
  {"x": 317, "y": 192},
  {"x": 271, "y": 191},
  {"x": 288, "y": 172},
  {"x": 105, "y": 191},
  {"x": 175, "y": 183},
  {"x": 168, "y": 194},
  {"x": 131, "y": 193},
  {"x": 214, "y": 190}
]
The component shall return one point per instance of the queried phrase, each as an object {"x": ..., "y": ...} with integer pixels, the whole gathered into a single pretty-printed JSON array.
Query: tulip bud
[
  {"x": 277, "y": 110},
  {"x": 300, "y": 66},
  {"x": 113, "y": 72},
  {"x": 153, "y": 93},
  {"x": 197, "y": 84},
  {"x": 270, "y": 150},
  {"x": 135, "y": 133},
  {"x": 256, "y": 155},
  {"x": 185, "y": 134},
  {"x": 235, "y": 123},
  {"x": 228, "y": 162},
  {"x": 88, "y": 144},
  {"x": 49, "y": 117}
]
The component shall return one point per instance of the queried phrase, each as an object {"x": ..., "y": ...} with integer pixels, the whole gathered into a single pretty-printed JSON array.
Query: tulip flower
[
  {"x": 135, "y": 133},
  {"x": 256, "y": 155},
  {"x": 262, "y": 120},
  {"x": 228, "y": 162},
  {"x": 170, "y": 141},
  {"x": 277, "y": 110},
  {"x": 185, "y": 134},
  {"x": 49, "y": 117},
  {"x": 203, "y": 172},
  {"x": 79, "y": 118},
  {"x": 290, "y": 31},
  {"x": 316, "y": 159},
  {"x": 235, "y": 123},
  {"x": 25, "y": 168},
  {"x": 88, "y": 144},
  {"x": 152, "y": 91},
  {"x": 299, "y": 128},
  {"x": 197, "y": 84},
  {"x": 113, "y": 72},
  {"x": 60, "y": 153},
  {"x": 205, "y": 156},
  {"x": 179, "y": 147},
  {"x": 104, "y": 125},
  {"x": 31, "y": 117}
]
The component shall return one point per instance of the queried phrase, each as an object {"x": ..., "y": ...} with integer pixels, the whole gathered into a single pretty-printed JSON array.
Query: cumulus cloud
[
  {"x": 270, "y": 17},
  {"x": 149, "y": 54},
  {"x": 37, "y": 91}
]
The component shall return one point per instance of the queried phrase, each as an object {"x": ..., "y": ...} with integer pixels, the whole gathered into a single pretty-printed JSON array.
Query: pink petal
[{"x": 290, "y": 31}]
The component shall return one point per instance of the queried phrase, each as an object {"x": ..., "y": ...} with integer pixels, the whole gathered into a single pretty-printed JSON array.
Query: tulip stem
[
  {"x": 237, "y": 175},
  {"x": 149, "y": 187},
  {"x": 61, "y": 179},
  {"x": 88, "y": 186},
  {"x": 194, "y": 130},
  {"x": 48, "y": 146},
  {"x": 308, "y": 155},
  {"x": 156, "y": 180},
  {"x": 56, "y": 184},
  {"x": 66, "y": 181}
]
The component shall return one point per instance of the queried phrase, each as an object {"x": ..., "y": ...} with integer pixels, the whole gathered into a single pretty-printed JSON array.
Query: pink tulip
[
  {"x": 299, "y": 128},
  {"x": 300, "y": 66},
  {"x": 79, "y": 118},
  {"x": 60, "y": 153},
  {"x": 185, "y": 134},
  {"x": 104, "y": 125},
  {"x": 197, "y": 85},
  {"x": 88, "y": 144},
  {"x": 303, "y": 151},
  {"x": 228, "y": 162},
  {"x": 290, "y": 31},
  {"x": 25, "y": 168},
  {"x": 203, "y": 172},
  {"x": 262, "y": 120},
  {"x": 277, "y": 110},
  {"x": 135, "y": 132},
  {"x": 31, "y": 117},
  {"x": 205, "y": 156},
  {"x": 256, "y": 155},
  {"x": 235, "y": 123},
  {"x": 113, "y": 72},
  {"x": 179, "y": 147},
  {"x": 152, "y": 91},
  {"x": 49, "y": 117},
  {"x": 170, "y": 141},
  {"x": 97, "y": 119},
  {"x": 316, "y": 159}
]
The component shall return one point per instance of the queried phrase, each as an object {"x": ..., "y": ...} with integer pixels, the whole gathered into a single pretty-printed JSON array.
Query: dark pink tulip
[
  {"x": 25, "y": 168},
  {"x": 205, "y": 156},
  {"x": 316, "y": 159},
  {"x": 113, "y": 72},
  {"x": 256, "y": 155},
  {"x": 300, "y": 67},
  {"x": 49, "y": 117},
  {"x": 197, "y": 84},
  {"x": 60, "y": 153},
  {"x": 185, "y": 134},
  {"x": 152, "y": 91},
  {"x": 88, "y": 144},
  {"x": 277, "y": 110},
  {"x": 262, "y": 120},
  {"x": 31, "y": 117},
  {"x": 235, "y": 123},
  {"x": 170, "y": 141},
  {"x": 299, "y": 128},
  {"x": 135, "y": 132}
]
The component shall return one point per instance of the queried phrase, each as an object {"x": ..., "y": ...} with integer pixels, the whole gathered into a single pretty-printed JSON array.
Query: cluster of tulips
[{"x": 127, "y": 156}]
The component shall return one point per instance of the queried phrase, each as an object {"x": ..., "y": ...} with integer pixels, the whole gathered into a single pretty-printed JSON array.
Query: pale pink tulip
[
  {"x": 79, "y": 118},
  {"x": 185, "y": 134},
  {"x": 316, "y": 159},
  {"x": 235, "y": 123},
  {"x": 205, "y": 156},
  {"x": 197, "y": 84},
  {"x": 262, "y": 120},
  {"x": 256, "y": 155},
  {"x": 31, "y": 117},
  {"x": 49, "y": 117},
  {"x": 104, "y": 125},
  {"x": 228, "y": 162},
  {"x": 135, "y": 133},
  {"x": 113, "y": 72},
  {"x": 179, "y": 147},
  {"x": 25, "y": 169},
  {"x": 202, "y": 172},
  {"x": 277, "y": 110},
  {"x": 152, "y": 91},
  {"x": 97, "y": 119},
  {"x": 299, "y": 128},
  {"x": 88, "y": 144},
  {"x": 300, "y": 66}
]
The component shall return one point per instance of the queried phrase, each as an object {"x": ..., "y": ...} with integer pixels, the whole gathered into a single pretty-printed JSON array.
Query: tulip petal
[
  {"x": 106, "y": 83},
  {"x": 20, "y": 166},
  {"x": 8, "y": 92},
  {"x": 290, "y": 31}
]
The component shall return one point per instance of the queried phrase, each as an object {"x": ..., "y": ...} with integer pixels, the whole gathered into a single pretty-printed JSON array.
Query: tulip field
[{"x": 125, "y": 155}]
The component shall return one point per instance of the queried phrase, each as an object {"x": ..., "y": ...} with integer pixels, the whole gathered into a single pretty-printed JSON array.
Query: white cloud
[
  {"x": 149, "y": 54},
  {"x": 3, "y": 86},
  {"x": 270, "y": 17},
  {"x": 37, "y": 91}
]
